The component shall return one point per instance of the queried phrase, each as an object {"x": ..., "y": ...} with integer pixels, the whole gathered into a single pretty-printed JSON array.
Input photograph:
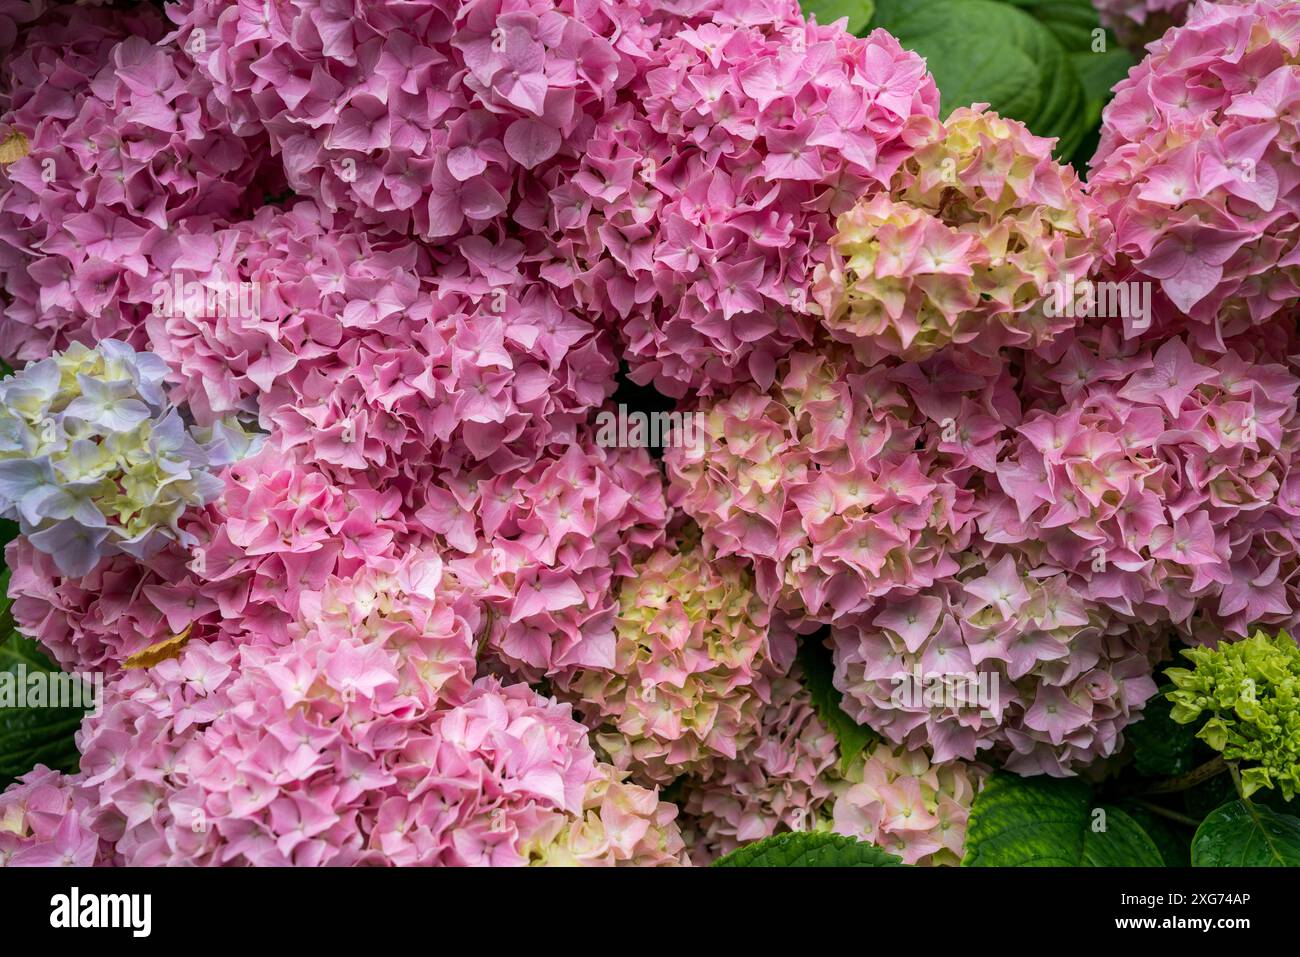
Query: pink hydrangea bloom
[
  {"x": 543, "y": 545},
  {"x": 844, "y": 481},
  {"x": 1138, "y": 22},
  {"x": 998, "y": 658},
  {"x": 44, "y": 823},
  {"x": 125, "y": 145},
  {"x": 1160, "y": 475},
  {"x": 781, "y": 782},
  {"x": 278, "y": 531},
  {"x": 706, "y": 198},
  {"x": 278, "y": 753},
  {"x": 1196, "y": 171},
  {"x": 312, "y": 753},
  {"x": 378, "y": 358},
  {"x": 910, "y": 805},
  {"x": 435, "y": 118},
  {"x": 692, "y": 667},
  {"x": 276, "y": 750},
  {"x": 979, "y": 229}
]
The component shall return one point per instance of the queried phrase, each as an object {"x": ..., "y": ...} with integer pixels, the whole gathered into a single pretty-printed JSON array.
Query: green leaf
[
  {"x": 818, "y": 849},
  {"x": 1161, "y": 746},
  {"x": 32, "y": 736},
  {"x": 828, "y": 11},
  {"x": 1100, "y": 60},
  {"x": 1100, "y": 72},
  {"x": 1072, "y": 22},
  {"x": 1037, "y": 61},
  {"x": 818, "y": 672},
  {"x": 1048, "y": 822},
  {"x": 987, "y": 51},
  {"x": 1246, "y": 834}
]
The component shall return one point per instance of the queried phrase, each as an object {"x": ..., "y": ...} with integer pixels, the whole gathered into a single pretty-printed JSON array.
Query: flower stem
[
  {"x": 1236, "y": 780},
  {"x": 1192, "y": 778},
  {"x": 1165, "y": 812}
]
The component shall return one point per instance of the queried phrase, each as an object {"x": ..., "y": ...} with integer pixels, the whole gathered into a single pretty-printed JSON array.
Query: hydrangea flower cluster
[
  {"x": 94, "y": 461},
  {"x": 783, "y": 781},
  {"x": 691, "y": 671},
  {"x": 994, "y": 658},
  {"x": 1160, "y": 475},
  {"x": 978, "y": 227},
  {"x": 316, "y": 311},
  {"x": 901, "y": 801},
  {"x": 434, "y": 119},
  {"x": 267, "y": 757},
  {"x": 125, "y": 144},
  {"x": 1196, "y": 170},
  {"x": 1247, "y": 694},
  {"x": 376, "y": 357},
  {"x": 704, "y": 202},
  {"x": 843, "y": 481}
]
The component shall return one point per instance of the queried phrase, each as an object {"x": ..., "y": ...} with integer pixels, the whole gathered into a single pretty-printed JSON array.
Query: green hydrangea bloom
[{"x": 1249, "y": 693}]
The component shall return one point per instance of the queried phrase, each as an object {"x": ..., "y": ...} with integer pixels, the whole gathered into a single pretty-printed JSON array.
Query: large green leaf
[
  {"x": 1097, "y": 57},
  {"x": 1049, "y": 822},
  {"x": 32, "y": 736},
  {"x": 817, "y": 849},
  {"x": 818, "y": 671},
  {"x": 1100, "y": 72},
  {"x": 1072, "y": 22},
  {"x": 988, "y": 51},
  {"x": 1099, "y": 62},
  {"x": 828, "y": 11},
  {"x": 1246, "y": 834}
]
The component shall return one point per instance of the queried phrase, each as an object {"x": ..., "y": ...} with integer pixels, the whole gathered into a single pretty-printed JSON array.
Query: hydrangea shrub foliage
[{"x": 653, "y": 433}]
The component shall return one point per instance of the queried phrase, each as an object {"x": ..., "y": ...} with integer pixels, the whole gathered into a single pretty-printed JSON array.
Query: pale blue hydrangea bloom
[{"x": 93, "y": 459}]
